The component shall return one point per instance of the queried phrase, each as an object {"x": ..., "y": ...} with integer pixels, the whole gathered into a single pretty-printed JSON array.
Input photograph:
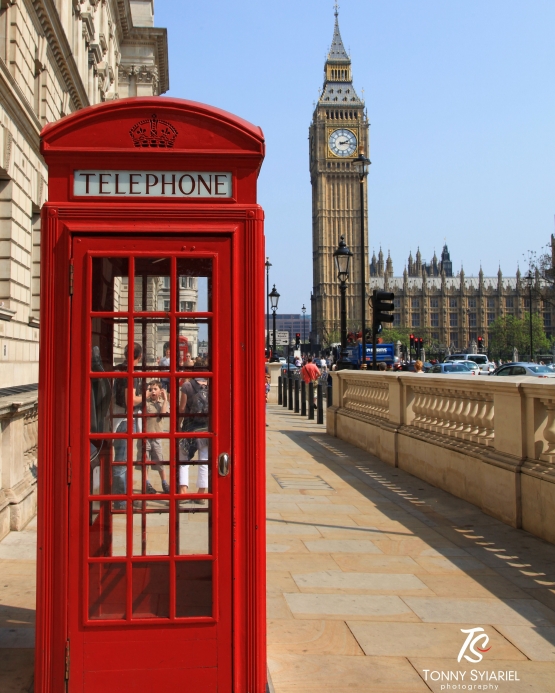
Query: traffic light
[
  {"x": 480, "y": 345},
  {"x": 297, "y": 339},
  {"x": 411, "y": 341},
  {"x": 420, "y": 346},
  {"x": 381, "y": 308}
]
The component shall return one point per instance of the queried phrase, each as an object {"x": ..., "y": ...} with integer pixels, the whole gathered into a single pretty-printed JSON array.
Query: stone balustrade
[
  {"x": 488, "y": 440},
  {"x": 18, "y": 460}
]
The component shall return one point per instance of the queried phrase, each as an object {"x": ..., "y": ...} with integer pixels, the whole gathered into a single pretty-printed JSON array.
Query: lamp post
[
  {"x": 342, "y": 260},
  {"x": 303, "y": 310},
  {"x": 274, "y": 299},
  {"x": 530, "y": 281},
  {"x": 361, "y": 164},
  {"x": 268, "y": 264}
]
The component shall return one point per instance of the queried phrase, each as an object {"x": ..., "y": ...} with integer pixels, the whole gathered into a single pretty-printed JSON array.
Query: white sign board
[
  {"x": 282, "y": 338},
  {"x": 166, "y": 184}
]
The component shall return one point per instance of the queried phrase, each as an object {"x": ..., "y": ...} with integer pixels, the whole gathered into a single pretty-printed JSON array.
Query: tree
[{"x": 508, "y": 332}]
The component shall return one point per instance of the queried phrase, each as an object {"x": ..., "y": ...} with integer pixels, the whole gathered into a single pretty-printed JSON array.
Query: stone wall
[{"x": 490, "y": 441}]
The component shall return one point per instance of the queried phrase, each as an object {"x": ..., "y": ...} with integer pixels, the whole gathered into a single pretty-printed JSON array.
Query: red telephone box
[{"x": 151, "y": 558}]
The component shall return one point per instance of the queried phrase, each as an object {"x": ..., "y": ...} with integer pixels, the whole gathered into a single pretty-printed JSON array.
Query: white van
[{"x": 481, "y": 360}]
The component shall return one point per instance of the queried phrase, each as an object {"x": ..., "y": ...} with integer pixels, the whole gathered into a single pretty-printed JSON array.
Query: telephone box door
[{"x": 150, "y": 504}]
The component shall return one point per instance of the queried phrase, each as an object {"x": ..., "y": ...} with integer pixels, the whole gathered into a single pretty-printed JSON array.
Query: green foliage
[{"x": 508, "y": 332}]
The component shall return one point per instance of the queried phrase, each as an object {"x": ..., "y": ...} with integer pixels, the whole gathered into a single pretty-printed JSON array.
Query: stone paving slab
[{"x": 388, "y": 582}]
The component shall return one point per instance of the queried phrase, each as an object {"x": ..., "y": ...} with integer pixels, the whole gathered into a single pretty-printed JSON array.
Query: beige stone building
[
  {"x": 451, "y": 311},
  {"x": 339, "y": 132},
  {"x": 56, "y": 56}
]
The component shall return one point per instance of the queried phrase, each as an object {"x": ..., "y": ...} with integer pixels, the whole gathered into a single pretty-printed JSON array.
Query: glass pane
[
  {"x": 151, "y": 526},
  {"x": 152, "y": 284},
  {"x": 193, "y": 588},
  {"x": 107, "y": 593},
  {"x": 150, "y": 337},
  {"x": 151, "y": 590},
  {"x": 102, "y": 405},
  {"x": 193, "y": 338},
  {"x": 194, "y": 525},
  {"x": 109, "y": 341},
  {"x": 193, "y": 401},
  {"x": 107, "y": 530},
  {"x": 150, "y": 479},
  {"x": 194, "y": 281},
  {"x": 108, "y": 470},
  {"x": 110, "y": 284},
  {"x": 195, "y": 476}
]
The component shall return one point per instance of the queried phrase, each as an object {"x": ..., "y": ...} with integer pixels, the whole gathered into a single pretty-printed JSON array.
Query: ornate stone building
[
  {"x": 452, "y": 311},
  {"x": 338, "y": 133},
  {"x": 56, "y": 56}
]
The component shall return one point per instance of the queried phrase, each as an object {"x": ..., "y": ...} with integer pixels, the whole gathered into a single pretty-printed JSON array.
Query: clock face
[{"x": 343, "y": 142}]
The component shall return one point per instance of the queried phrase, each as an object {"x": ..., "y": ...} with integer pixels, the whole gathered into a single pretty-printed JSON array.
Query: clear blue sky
[{"x": 461, "y": 100}]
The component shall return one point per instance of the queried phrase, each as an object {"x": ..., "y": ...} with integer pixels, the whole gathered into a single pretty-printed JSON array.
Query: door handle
[{"x": 223, "y": 464}]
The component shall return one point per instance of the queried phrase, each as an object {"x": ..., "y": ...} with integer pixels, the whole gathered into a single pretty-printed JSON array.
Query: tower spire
[{"x": 337, "y": 50}]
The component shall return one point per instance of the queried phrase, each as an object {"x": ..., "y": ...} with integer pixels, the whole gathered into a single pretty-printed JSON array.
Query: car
[
  {"x": 486, "y": 366},
  {"x": 452, "y": 369},
  {"x": 469, "y": 365},
  {"x": 289, "y": 368},
  {"x": 282, "y": 359},
  {"x": 533, "y": 370}
]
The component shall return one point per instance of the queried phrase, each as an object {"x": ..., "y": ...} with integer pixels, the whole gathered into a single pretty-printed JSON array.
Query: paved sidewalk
[
  {"x": 373, "y": 573},
  {"x": 17, "y": 610}
]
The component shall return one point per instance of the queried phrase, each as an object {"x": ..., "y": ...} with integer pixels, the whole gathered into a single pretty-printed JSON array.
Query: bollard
[
  {"x": 330, "y": 391},
  {"x": 280, "y": 397},
  {"x": 296, "y": 409},
  {"x": 320, "y": 401},
  {"x": 303, "y": 398},
  {"x": 290, "y": 392},
  {"x": 284, "y": 385},
  {"x": 311, "y": 400}
]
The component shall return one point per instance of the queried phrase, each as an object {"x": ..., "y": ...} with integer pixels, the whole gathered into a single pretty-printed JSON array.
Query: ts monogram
[{"x": 471, "y": 641}]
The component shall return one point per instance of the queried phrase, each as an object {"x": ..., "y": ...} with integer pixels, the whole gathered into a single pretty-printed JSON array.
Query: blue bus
[{"x": 384, "y": 352}]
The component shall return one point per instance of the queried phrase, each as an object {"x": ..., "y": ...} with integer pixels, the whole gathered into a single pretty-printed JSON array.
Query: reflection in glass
[
  {"x": 151, "y": 590},
  {"x": 194, "y": 281},
  {"x": 108, "y": 470},
  {"x": 151, "y": 524},
  {"x": 194, "y": 525},
  {"x": 107, "y": 593},
  {"x": 152, "y": 284},
  {"x": 107, "y": 536},
  {"x": 101, "y": 404},
  {"x": 110, "y": 284},
  {"x": 109, "y": 340},
  {"x": 193, "y": 469},
  {"x": 193, "y": 588},
  {"x": 151, "y": 335},
  {"x": 193, "y": 402},
  {"x": 193, "y": 338}
]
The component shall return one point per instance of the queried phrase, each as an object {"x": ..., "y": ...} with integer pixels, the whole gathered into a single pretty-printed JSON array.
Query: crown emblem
[{"x": 152, "y": 132}]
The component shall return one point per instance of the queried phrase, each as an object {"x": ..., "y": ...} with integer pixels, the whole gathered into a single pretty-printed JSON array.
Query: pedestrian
[
  {"x": 418, "y": 367},
  {"x": 156, "y": 409},
  {"x": 310, "y": 374}
]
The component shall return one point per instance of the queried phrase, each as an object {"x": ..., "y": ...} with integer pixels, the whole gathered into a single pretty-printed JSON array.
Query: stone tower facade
[{"x": 339, "y": 132}]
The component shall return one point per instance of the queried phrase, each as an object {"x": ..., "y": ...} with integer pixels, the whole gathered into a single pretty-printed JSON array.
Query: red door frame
[
  {"x": 237, "y": 147},
  {"x": 101, "y": 636}
]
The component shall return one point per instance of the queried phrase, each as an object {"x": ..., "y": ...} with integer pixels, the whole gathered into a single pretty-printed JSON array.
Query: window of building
[
  {"x": 435, "y": 336},
  {"x": 453, "y": 320},
  {"x": 396, "y": 319},
  {"x": 509, "y": 302},
  {"x": 452, "y": 303},
  {"x": 527, "y": 303},
  {"x": 491, "y": 318},
  {"x": 454, "y": 339},
  {"x": 472, "y": 303},
  {"x": 491, "y": 303},
  {"x": 397, "y": 303},
  {"x": 434, "y": 319},
  {"x": 167, "y": 306},
  {"x": 434, "y": 303},
  {"x": 472, "y": 319},
  {"x": 187, "y": 307},
  {"x": 415, "y": 320},
  {"x": 415, "y": 303},
  {"x": 474, "y": 337},
  {"x": 166, "y": 282},
  {"x": 547, "y": 319}
]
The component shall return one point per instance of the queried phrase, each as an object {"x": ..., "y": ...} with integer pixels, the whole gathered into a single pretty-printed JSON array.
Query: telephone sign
[{"x": 151, "y": 572}]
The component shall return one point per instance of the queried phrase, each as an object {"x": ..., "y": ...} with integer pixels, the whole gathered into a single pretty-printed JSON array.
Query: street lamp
[
  {"x": 268, "y": 264},
  {"x": 303, "y": 310},
  {"x": 530, "y": 282},
  {"x": 361, "y": 165},
  {"x": 274, "y": 299},
  {"x": 342, "y": 260}
]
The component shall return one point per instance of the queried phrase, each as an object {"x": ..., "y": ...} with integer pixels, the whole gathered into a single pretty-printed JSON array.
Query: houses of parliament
[{"x": 449, "y": 310}]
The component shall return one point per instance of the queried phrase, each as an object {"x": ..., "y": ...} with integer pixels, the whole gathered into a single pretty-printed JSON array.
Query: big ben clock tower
[{"x": 338, "y": 134}]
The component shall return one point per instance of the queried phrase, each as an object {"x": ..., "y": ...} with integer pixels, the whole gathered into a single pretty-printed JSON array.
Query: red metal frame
[{"x": 209, "y": 139}]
